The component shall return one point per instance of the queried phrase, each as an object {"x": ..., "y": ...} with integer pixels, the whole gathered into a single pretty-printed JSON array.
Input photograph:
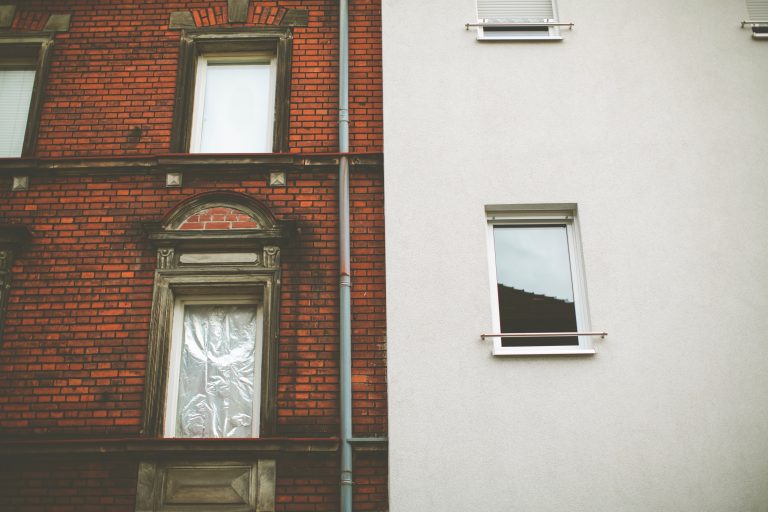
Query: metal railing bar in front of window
[
  {"x": 542, "y": 334},
  {"x": 521, "y": 24},
  {"x": 753, "y": 22}
]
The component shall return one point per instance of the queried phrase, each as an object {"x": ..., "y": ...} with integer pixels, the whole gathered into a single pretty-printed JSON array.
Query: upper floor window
[
  {"x": 517, "y": 19},
  {"x": 23, "y": 65},
  {"x": 234, "y": 109},
  {"x": 233, "y": 89},
  {"x": 538, "y": 281}
]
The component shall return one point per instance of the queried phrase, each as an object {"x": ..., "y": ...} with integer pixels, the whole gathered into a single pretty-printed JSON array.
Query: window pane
[
  {"x": 15, "y": 95},
  {"x": 533, "y": 274},
  {"x": 217, "y": 374},
  {"x": 238, "y": 110}
]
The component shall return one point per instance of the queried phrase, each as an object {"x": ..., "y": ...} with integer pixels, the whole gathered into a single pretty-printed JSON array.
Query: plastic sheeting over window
[{"x": 217, "y": 378}]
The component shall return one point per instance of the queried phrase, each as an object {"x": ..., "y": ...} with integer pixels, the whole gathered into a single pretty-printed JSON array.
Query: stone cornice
[
  {"x": 188, "y": 163},
  {"x": 143, "y": 447}
]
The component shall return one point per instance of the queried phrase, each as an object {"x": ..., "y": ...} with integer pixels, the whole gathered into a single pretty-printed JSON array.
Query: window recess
[
  {"x": 532, "y": 20},
  {"x": 232, "y": 91},
  {"x": 538, "y": 293}
]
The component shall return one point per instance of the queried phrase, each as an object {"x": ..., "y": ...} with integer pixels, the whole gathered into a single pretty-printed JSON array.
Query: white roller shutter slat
[
  {"x": 758, "y": 10},
  {"x": 515, "y": 10}
]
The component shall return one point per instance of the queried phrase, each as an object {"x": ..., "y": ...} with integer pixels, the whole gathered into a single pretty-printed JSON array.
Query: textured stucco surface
[{"x": 651, "y": 117}]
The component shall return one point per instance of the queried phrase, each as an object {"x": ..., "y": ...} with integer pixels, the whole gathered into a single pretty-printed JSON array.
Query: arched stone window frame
[{"x": 214, "y": 263}]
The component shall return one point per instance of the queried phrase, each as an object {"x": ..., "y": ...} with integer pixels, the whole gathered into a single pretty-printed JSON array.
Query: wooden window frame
[{"x": 274, "y": 41}]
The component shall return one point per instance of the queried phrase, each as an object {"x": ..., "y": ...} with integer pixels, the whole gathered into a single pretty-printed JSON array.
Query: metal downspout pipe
[{"x": 345, "y": 281}]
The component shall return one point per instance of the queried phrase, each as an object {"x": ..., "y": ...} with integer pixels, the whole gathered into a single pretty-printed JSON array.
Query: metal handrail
[
  {"x": 542, "y": 334},
  {"x": 754, "y": 22},
  {"x": 521, "y": 24}
]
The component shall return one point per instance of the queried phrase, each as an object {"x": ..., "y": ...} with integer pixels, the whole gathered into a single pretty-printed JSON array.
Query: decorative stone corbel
[
  {"x": 164, "y": 258},
  {"x": 271, "y": 256}
]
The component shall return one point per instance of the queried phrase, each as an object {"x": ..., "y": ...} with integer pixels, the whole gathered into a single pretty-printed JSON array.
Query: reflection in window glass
[{"x": 535, "y": 286}]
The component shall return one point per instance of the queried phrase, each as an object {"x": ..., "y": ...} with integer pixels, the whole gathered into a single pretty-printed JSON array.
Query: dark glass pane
[
  {"x": 534, "y": 28},
  {"x": 534, "y": 284}
]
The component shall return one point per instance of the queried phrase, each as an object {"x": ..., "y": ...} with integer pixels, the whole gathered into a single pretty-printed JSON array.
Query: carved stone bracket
[
  {"x": 164, "y": 258},
  {"x": 271, "y": 256}
]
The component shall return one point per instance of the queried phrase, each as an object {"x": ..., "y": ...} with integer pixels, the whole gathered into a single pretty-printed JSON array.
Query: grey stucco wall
[{"x": 652, "y": 117}]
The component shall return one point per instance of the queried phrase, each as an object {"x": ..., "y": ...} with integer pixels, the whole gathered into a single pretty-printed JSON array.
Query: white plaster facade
[{"x": 653, "y": 118}]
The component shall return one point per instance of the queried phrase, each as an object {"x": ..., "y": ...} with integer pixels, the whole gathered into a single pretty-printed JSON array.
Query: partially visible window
[
  {"x": 758, "y": 14},
  {"x": 214, "y": 384},
  {"x": 16, "y": 81},
  {"x": 538, "y": 284},
  {"x": 517, "y": 19},
  {"x": 233, "y": 89},
  {"x": 234, "y": 108},
  {"x": 23, "y": 65}
]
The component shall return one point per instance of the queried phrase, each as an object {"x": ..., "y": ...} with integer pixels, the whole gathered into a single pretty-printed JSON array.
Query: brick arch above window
[
  {"x": 220, "y": 210},
  {"x": 219, "y": 217}
]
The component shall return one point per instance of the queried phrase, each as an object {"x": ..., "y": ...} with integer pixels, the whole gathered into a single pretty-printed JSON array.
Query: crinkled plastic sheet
[{"x": 217, "y": 371}]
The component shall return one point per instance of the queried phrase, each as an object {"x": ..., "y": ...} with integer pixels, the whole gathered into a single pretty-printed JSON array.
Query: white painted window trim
[
  {"x": 199, "y": 97},
  {"x": 174, "y": 357},
  {"x": 519, "y": 35},
  {"x": 531, "y": 215}
]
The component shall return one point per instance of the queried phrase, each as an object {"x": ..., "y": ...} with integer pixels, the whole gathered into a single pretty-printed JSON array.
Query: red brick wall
[
  {"x": 75, "y": 339},
  {"x": 73, "y": 352},
  {"x": 115, "y": 70},
  {"x": 61, "y": 486}
]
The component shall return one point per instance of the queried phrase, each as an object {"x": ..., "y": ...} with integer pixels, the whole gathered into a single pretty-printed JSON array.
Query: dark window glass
[{"x": 535, "y": 286}]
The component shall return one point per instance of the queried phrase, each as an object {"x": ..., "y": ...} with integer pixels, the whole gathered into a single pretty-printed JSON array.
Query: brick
[{"x": 74, "y": 351}]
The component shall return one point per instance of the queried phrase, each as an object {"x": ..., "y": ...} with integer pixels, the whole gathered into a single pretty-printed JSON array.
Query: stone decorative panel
[
  {"x": 58, "y": 23},
  {"x": 205, "y": 486}
]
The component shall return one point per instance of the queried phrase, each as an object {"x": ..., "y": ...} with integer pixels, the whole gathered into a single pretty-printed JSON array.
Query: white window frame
[
  {"x": 177, "y": 342},
  {"x": 533, "y": 215},
  {"x": 519, "y": 34},
  {"x": 201, "y": 70}
]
